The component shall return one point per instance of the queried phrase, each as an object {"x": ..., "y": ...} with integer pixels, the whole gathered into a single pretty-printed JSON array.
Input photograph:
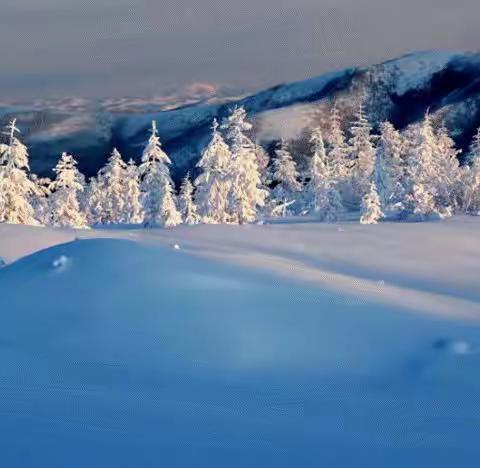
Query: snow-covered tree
[
  {"x": 362, "y": 153},
  {"x": 111, "y": 184},
  {"x": 246, "y": 194},
  {"x": 471, "y": 178},
  {"x": 447, "y": 174},
  {"x": 285, "y": 176},
  {"x": 93, "y": 202},
  {"x": 64, "y": 205},
  {"x": 213, "y": 184},
  {"x": 421, "y": 182},
  {"x": 16, "y": 188},
  {"x": 337, "y": 148},
  {"x": 371, "y": 209},
  {"x": 39, "y": 199},
  {"x": 321, "y": 193},
  {"x": 186, "y": 204},
  {"x": 319, "y": 173},
  {"x": 132, "y": 209},
  {"x": 390, "y": 167},
  {"x": 157, "y": 186}
]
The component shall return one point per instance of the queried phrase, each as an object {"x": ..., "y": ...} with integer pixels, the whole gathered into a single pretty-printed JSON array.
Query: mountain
[{"x": 401, "y": 90}]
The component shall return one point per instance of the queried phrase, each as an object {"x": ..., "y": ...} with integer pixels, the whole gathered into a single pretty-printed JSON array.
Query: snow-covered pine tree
[
  {"x": 39, "y": 198},
  {"x": 321, "y": 193},
  {"x": 285, "y": 176},
  {"x": 64, "y": 205},
  {"x": 157, "y": 186},
  {"x": 111, "y": 184},
  {"x": 471, "y": 178},
  {"x": 246, "y": 194},
  {"x": 16, "y": 188},
  {"x": 213, "y": 184},
  {"x": 421, "y": 181},
  {"x": 371, "y": 209},
  {"x": 362, "y": 153},
  {"x": 186, "y": 204},
  {"x": 93, "y": 202},
  {"x": 447, "y": 174},
  {"x": 337, "y": 148},
  {"x": 132, "y": 209},
  {"x": 390, "y": 167},
  {"x": 319, "y": 173}
]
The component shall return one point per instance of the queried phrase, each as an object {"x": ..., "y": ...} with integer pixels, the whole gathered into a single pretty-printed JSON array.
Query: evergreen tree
[
  {"x": 390, "y": 167},
  {"x": 40, "y": 199},
  {"x": 16, "y": 188},
  {"x": 337, "y": 148},
  {"x": 371, "y": 210},
  {"x": 246, "y": 194},
  {"x": 132, "y": 209},
  {"x": 322, "y": 195},
  {"x": 447, "y": 174},
  {"x": 319, "y": 173},
  {"x": 64, "y": 206},
  {"x": 285, "y": 176},
  {"x": 363, "y": 151},
  {"x": 157, "y": 186},
  {"x": 471, "y": 179},
  {"x": 93, "y": 202},
  {"x": 214, "y": 182},
  {"x": 421, "y": 183},
  {"x": 111, "y": 184},
  {"x": 186, "y": 204}
]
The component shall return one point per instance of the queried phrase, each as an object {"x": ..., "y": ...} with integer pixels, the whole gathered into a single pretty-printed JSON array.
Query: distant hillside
[{"x": 400, "y": 90}]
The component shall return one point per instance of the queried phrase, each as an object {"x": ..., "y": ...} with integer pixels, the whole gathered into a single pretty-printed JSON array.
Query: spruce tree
[
  {"x": 64, "y": 205},
  {"x": 214, "y": 182},
  {"x": 371, "y": 210},
  {"x": 246, "y": 194},
  {"x": 338, "y": 151},
  {"x": 285, "y": 176},
  {"x": 362, "y": 150},
  {"x": 421, "y": 182},
  {"x": 16, "y": 188},
  {"x": 187, "y": 207},
  {"x": 157, "y": 186},
  {"x": 322, "y": 194},
  {"x": 132, "y": 212},
  {"x": 111, "y": 184},
  {"x": 390, "y": 167},
  {"x": 471, "y": 179}
]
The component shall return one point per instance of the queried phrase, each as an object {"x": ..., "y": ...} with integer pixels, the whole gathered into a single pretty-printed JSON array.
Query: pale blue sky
[{"x": 144, "y": 47}]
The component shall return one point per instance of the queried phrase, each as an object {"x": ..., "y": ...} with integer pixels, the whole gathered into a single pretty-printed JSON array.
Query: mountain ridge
[{"x": 400, "y": 89}]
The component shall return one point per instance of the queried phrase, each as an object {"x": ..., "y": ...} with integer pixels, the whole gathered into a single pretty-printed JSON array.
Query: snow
[
  {"x": 414, "y": 71},
  {"x": 289, "y": 344}
]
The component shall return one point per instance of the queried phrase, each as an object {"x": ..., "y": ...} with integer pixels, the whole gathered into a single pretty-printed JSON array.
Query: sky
[{"x": 112, "y": 48}]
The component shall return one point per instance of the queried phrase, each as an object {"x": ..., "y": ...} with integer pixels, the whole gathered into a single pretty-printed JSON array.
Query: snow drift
[{"x": 139, "y": 354}]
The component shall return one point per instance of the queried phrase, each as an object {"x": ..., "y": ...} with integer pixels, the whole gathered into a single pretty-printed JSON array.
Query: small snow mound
[
  {"x": 460, "y": 347},
  {"x": 60, "y": 262}
]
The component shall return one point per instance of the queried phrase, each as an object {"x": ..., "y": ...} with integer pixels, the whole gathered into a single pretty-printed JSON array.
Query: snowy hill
[
  {"x": 298, "y": 344},
  {"x": 400, "y": 90}
]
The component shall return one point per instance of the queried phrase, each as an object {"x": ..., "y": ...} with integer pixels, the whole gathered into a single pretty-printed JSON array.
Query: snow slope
[{"x": 239, "y": 349}]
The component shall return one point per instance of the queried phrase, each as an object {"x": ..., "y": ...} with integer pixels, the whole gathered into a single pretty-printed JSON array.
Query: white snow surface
[
  {"x": 289, "y": 344},
  {"x": 413, "y": 71}
]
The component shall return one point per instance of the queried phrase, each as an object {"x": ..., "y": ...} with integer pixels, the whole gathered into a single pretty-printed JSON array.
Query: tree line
[{"x": 392, "y": 174}]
